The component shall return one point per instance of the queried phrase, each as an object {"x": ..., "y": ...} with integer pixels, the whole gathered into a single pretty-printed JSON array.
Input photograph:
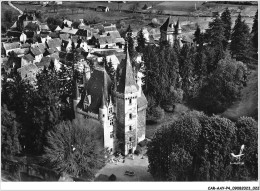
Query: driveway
[{"x": 139, "y": 166}]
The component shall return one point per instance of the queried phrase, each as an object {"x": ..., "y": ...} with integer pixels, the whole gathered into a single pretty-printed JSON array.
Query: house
[
  {"x": 36, "y": 53},
  {"x": 73, "y": 31},
  {"x": 27, "y": 60},
  {"x": 65, "y": 30},
  {"x": 106, "y": 42},
  {"x": 44, "y": 27},
  {"x": 123, "y": 107},
  {"x": 21, "y": 52},
  {"x": 109, "y": 27},
  {"x": 102, "y": 9},
  {"x": 66, "y": 23},
  {"x": 84, "y": 34},
  {"x": 9, "y": 47}
]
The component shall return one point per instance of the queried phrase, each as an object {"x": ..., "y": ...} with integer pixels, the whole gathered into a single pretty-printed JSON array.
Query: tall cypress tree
[
  {"x": 140, "y": 41},
  {"x": 240, "y": 41},
  {"x": 226, "y": 19},
  {"x": 215, "y": 33},
  {"x": 129, "y": 42},
  {"x": 198, "y": 36}
]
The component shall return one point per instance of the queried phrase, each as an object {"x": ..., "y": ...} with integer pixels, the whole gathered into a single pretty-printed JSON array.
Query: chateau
[
  {"x": 171, "y": 31},
  {"x": 121, "y": 110}
]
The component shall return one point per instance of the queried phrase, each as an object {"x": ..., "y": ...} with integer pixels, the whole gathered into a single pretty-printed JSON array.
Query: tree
[
  {"x": 215, "y": 143},
  {"x": 240, "y": 41},
  {"x": 172, "y": 144},
  {"x": 198, "y": 36},
  {"x": 134, "y": 6},
  {"x": 247, "y": 135},
  {"x": 129, "y": 42},
  {"x": 72, "y": 147},
  {"x": 186, "y": 68},
  {"x": 75, "y": 24},
  {"x": 223, "y": 86},
  {"x": 226, "y": 19},
  {"x": 254, "y": 34},
  {"x": 10, "y": 132},
  {"x": 140, "y": 41}
]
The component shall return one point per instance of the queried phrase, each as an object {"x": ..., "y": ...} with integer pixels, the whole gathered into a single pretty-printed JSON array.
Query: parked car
[{"x": 129, "y": 173}]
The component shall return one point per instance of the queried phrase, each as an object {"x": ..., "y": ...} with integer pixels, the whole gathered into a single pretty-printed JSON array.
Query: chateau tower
[
  {"x": 106, "y": 117},
  {"x": 171, "y": 31},
  {"x": 126, "y": 105}
]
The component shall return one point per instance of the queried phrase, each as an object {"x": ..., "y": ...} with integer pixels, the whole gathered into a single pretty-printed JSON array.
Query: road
[{"x": 9, "y": 2}]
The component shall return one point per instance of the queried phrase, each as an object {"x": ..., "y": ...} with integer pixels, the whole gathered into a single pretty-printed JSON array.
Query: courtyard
[{"x": 139, "y": 166}]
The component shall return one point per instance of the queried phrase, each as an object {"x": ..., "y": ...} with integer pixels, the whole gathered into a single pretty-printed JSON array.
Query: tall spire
[
  {"x": 104, "y": 91},
  {"x": 127, "y": 83}
]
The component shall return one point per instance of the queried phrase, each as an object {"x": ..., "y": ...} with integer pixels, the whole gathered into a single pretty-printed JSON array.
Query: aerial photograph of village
[{"x": 129, "y": 91}]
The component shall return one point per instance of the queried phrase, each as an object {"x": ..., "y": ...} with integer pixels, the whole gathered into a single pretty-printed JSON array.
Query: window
[
  {"x": 130, "y": 101},
  {"x": 130, "y": 116},
  {"x": 110, "y": 110},
  {"x": 112, "y": 134},
  {"x": 111, "y": 122},
  {"x": 130, "y": 128},
  {"x": 130, "y": 138}
]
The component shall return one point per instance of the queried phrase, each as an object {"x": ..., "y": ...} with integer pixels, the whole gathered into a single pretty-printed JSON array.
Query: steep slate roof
[
  {"x": 10, "y": 46},
  {"x": 45, "y": 61},
  {"x": 127, "y": 83},
  {"x": 55, "y": 56},
  {"x": 106, "y": 40},
  {"x": 42, "y": 47},
  {"x": 95, "y": 88},
  {"x": 72, "y": 31},
  {"x": 35, "y": 51},
  {"x": 20, "y": 51},
  {"x": 64, "y": 36},
  {"x": 28, "y": 57},
  {"x": 168, "y": 25},
  {"x": 53, "y": 43}
]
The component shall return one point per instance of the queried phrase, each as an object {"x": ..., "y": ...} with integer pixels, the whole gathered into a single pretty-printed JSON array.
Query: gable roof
[
  {"x": 110, "y": 28},
  {"x": 45, "y": 61},
  {"x": 28, "y": 57},
  {"x": 106, "y": 40},
  {"x": 98, "y": 85},
  {"x": 65, "y": 30},
  {"x": 64, "y": 36},
  {"x": 55, "y": 56},
  {"x": 72, "y": 31},
  {"x": 113, "y": 34},
  {"x": 127, "y": 83},
  {"x": 10, "y": 46},
  {"x": 35, "y": 51},
  {"x": 58, "y": 28},
  {"x": 44, "y": 26},
  {"x": 21, "y": 51},
  {"x": 82, "y": 32},
  {"x": 54, "y": 43}
]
